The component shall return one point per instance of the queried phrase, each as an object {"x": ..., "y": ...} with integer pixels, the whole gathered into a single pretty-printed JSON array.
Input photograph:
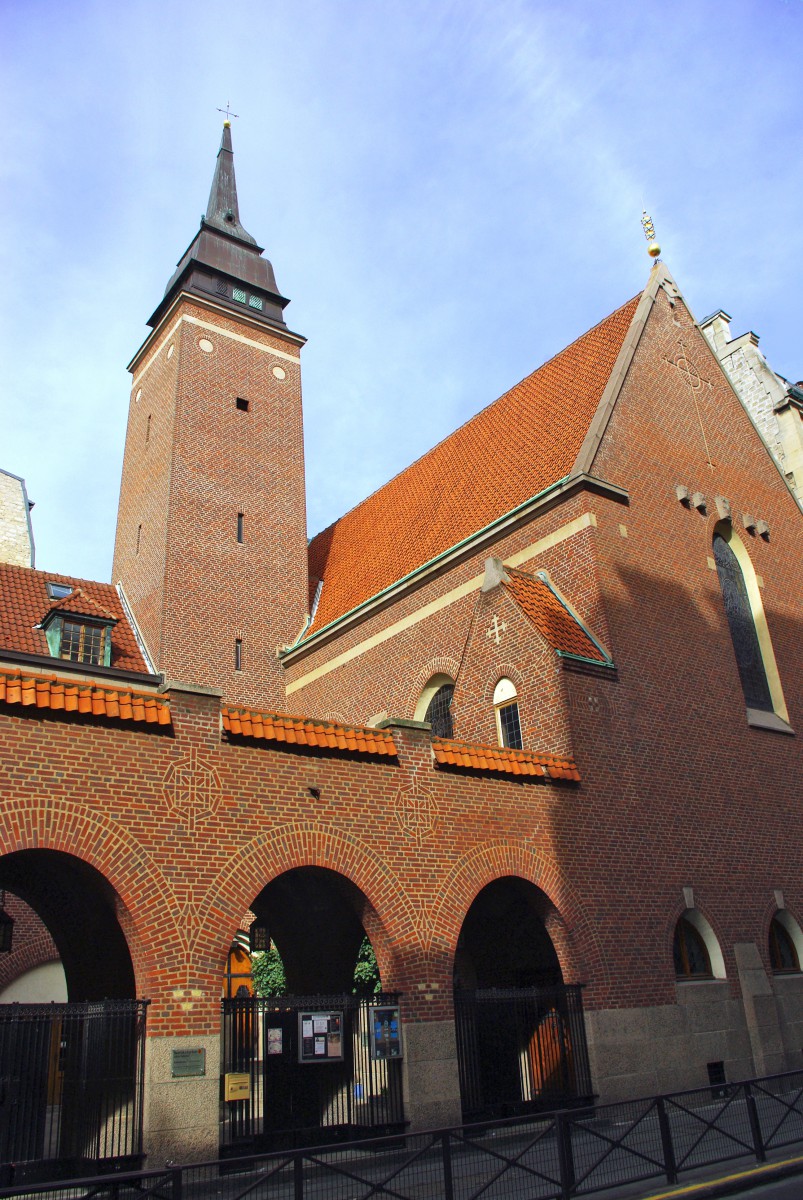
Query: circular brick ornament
[{"x": 206, "y": 346}]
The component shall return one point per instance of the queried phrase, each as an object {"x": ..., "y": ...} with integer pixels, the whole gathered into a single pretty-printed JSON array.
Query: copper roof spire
[
  {"x": 223, "y": 261},
  {"x": 222, "y": 211}
]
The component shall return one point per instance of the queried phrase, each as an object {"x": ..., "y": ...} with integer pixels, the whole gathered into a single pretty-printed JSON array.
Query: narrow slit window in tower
[
  {"x": 238, "y": 654},
  {"x": 240, "y": 527}
]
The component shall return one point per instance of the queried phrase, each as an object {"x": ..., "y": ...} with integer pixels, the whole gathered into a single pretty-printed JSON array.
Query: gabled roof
[
  {"x": 508, "y": 453},
  {"x": 24, "y": 602},
  {"x": 543, "y": 605}
]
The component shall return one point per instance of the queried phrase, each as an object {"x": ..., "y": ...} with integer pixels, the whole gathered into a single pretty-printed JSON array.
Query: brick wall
[{"x": 193, "y": 462}]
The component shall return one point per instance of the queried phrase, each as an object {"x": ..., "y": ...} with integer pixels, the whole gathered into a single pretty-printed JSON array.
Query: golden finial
[
  {"x": 229, "y": 115},
  {"x": 653, "y": 249}
]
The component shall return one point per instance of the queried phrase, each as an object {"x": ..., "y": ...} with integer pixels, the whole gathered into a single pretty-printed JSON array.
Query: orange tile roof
[
  {"x": 508, "y": 762},
  {"x": 69, "y": 695},
  {"x": 24, "y": 602},
  {"x": 543, "y": 608},
  {"x": 509, "y": 452},
  {"x": 302, "y": 731}
]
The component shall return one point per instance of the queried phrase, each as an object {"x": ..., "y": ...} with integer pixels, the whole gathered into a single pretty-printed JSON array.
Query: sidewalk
[{"x": 715, "y": 1183}]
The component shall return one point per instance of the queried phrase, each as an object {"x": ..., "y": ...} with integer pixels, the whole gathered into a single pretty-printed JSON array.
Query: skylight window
[{"x": 58, "y": 591}]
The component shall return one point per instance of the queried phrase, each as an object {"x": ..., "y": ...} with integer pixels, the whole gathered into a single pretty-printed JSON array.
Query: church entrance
[
  {"x": 317, "y": 1056},
  {"x": 520, "y": 1030},
  {"x": 71, "y": 1074}
]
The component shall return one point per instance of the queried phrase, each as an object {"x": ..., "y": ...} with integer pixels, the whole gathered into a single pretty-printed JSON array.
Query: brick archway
[
  {"x": 144, "y": 896},
  {"x": 577, "y": 945},
  {"x": 390, "y": 922}
]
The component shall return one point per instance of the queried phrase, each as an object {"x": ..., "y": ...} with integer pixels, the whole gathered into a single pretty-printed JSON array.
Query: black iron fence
[
  {"x": 297, "y": 1096},
  {"x": 521, "y": 1050},
  {"x": 552, "y": 1156},
  {"x": 70, "y": 1088}
]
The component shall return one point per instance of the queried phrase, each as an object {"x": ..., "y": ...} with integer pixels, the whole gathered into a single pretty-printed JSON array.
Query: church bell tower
[{"x": 211, "y": 545}]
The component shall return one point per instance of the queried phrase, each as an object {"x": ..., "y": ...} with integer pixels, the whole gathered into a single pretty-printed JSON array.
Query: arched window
[
  {"x": 508, "y": 725},
  {"x": 755, "y": 660},
  {"x": 434, "y": 705},
  {"x": 695, "y": 949},
  {"x": 439, "y": 713},
  {"x": 784, "y": 934}
]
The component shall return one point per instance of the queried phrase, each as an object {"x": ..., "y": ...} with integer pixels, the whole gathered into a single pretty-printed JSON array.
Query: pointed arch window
[
  {"x": 747, "y": 624},
  {"x": 690, "y": 952},
  {"x": 742, "y": 627},
  {"x": 695, "y": 948},
  {"x": 785, "y": 938}
]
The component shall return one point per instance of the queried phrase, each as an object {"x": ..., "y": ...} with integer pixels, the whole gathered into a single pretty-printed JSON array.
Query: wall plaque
[{"x": 187, "y": 1064}]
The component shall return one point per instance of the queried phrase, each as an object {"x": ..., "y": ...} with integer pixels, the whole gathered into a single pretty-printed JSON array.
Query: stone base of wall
[
  {"x": 431, "y": 1079},
  {"x": 646, "y": 1051},
  {"x": 182, "y": 1116}
]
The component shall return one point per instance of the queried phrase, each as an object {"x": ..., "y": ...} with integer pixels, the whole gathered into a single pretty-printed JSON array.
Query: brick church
[{"x": 528, "y": 717}]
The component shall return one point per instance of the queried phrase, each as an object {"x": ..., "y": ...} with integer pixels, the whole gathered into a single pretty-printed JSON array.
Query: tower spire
[
  {"x": 223, "y": 261},
  {"x": 222, "y": 211}
]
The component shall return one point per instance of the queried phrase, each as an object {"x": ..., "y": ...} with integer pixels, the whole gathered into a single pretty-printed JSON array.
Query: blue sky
[{"x": 449, "y": 193}]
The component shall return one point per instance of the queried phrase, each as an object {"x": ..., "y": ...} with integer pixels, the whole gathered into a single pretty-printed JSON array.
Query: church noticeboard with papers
[
  {"x": 385, "y": 1029},
  {"x": 320, "y": 1037}
]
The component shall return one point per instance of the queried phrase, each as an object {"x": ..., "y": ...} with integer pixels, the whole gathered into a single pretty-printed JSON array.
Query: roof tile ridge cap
[
  {"x": 315, "y": 723},
  {"x": 468, "y": 420}
]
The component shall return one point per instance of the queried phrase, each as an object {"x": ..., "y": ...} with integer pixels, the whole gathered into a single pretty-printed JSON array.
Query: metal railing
[
  {"x": 553, "y": 1156},
  {"x": 71, "y": 1091}
]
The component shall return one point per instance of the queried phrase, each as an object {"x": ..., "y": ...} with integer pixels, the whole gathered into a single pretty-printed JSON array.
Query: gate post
[
  {"x": 431, "y": 1080},
  {"x": 182, "y": 1112}
]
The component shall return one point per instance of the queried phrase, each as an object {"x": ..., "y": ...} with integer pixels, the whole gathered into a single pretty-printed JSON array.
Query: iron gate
[
  {"x": 299, "y": 1103},
  {"x": 520, "y": 1050},
  {"x": 71, "y": 1092}
]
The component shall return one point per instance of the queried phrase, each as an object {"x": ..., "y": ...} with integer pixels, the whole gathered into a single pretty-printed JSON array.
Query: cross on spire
[{"x": 228, "y": 112}]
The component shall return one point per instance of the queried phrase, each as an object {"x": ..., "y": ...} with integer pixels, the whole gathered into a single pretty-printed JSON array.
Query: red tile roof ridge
[
  {"x": 317, "y": 723},
  {"x": 307, "y": 731},
  {"x": 473, "y": 417},
  {"x": 529, "y": 436},
  {"x": 541, "y": 757},
  {"x": 19, "y": 686}
]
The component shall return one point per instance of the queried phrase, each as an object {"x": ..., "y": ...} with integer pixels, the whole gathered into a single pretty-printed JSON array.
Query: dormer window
[{"x": 78, "y": 629}]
